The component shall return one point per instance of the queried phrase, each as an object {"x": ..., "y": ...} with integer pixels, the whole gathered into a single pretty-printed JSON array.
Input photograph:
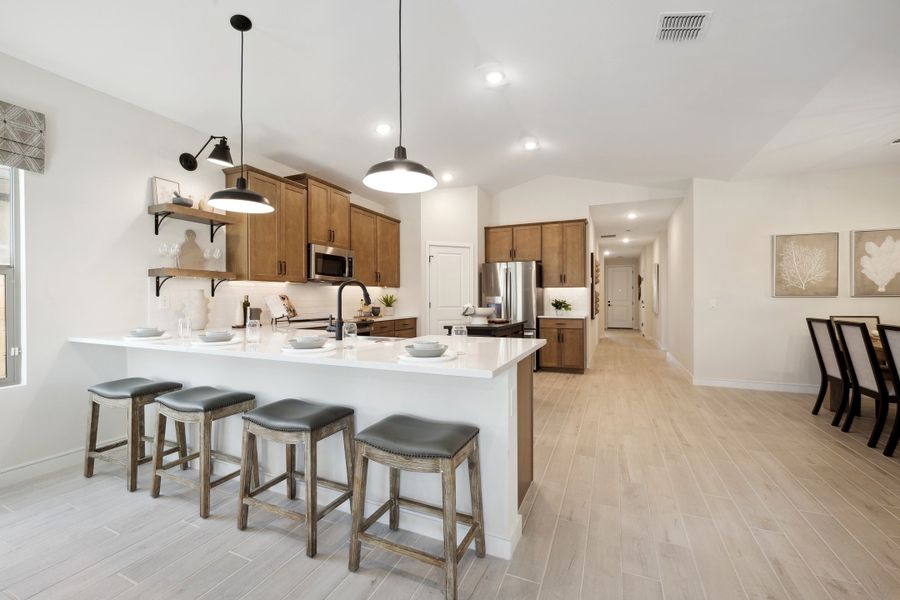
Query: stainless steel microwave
[{"x": 330, "y": 264}]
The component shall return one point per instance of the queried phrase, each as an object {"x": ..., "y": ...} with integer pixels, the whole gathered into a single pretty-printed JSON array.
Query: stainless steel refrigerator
[{"x": 515, "y": 290}]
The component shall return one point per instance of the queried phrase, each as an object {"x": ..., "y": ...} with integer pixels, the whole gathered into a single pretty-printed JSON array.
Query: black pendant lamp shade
[
  {"x": 239, "y": 198},
  {"x": 220, "y": 155},
  {"x": 400, "y": 175}
]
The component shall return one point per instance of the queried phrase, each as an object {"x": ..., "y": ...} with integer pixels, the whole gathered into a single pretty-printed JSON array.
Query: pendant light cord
[
  {"x": 400, "y": 63},
  {"x": 242, "y": 105}
]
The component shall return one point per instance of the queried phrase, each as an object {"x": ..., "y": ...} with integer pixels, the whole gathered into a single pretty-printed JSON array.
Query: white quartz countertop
[{"x": 479, "y": 358}]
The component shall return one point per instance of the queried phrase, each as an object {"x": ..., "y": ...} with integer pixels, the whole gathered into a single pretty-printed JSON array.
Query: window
[{"x": 10, "y": 360}]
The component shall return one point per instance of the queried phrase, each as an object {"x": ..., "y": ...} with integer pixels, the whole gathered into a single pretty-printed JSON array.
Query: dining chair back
[
  {"x": 872, "y": 321},
  {"x": 890, "y": 341},
  {"x": 831, "y": 365},
  {"x": 865, "y": 374}
]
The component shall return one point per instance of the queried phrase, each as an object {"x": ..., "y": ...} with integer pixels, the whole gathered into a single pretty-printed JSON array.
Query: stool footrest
[
  {"x": 470, "y": 535},
  {"x": 433, "y": 510},
  {"x": 224, "y": 478},
  {"x": 333, "y": 505},
  {"x": 111, "y": 446},
  {"x": 375, "y": 515},
  {"x": 272, "y": 508},
  {"x": 325, "y": 483},
  {"x": 267, "y": 485},
  {"x": 401, "y": 549},
  {"x": 180, "y": 461}
]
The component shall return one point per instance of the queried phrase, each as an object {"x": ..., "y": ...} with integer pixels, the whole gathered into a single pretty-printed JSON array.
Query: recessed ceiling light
[
  {"x": 625, "y": 240},
  {"x": 447, "y": 177},
  {"x": 383, "y": 129},
  {"x": 632, "y": 215},
  {"x": 494, "y": 78},
  {"x": 606, "y": 253},
  {"x": 530, "y": 144}
]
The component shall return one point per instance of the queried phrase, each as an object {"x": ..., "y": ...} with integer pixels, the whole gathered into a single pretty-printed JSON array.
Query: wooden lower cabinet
[
  {"x": 565, "y": 344},
  {"x": 401, "y": 328}
]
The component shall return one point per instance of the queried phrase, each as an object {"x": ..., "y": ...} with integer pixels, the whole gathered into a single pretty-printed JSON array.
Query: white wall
[
  {"x": 749, "y": 337},
  {"x": 679, "y": 290},
  {"x": 655, "y": 323}
]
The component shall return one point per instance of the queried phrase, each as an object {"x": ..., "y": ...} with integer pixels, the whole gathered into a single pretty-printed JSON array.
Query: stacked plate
[
  {"x": 146, "y": 334},
  {"x": 309, "y": 345},
  {"x": 216, "y": 338},
  {"x": 427, "y": 351}
]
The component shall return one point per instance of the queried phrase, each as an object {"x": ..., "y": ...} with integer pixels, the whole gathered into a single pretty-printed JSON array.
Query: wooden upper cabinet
[
  {"x": 329, "y": 211},
  {"x": 575, "y": 250},
  {"x": 339, "y": 219},
  {"x": 363, "y": 231},
  {"x": 293, "y": 233},
  {"x": 388, "y": 256},
  {"x": 498, "y": 244},
  {"x": 375, "y": 241},
  {"x": 272, "y": 246},
  {"x": 319, "y": 227},
  {"x": 527, "y": 242},
  {"x": 552, "y": 254}
]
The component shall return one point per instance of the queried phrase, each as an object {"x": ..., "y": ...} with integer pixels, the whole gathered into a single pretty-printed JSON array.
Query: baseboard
[
  {"x": 35, "y": 468},
  {"x": 763, "y": 386},
  {"x": 679, "y": 367}
]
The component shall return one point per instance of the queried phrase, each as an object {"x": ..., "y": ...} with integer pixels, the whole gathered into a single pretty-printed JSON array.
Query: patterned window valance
[{"x": 21, "y": 138}]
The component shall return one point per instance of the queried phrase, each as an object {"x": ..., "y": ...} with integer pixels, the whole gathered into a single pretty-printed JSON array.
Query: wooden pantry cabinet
[
  {"x": 519, "y": 242},
  {"x": 375, "y": 241},
  {"x": 329, "y": 211},
  {"x": 268, "y": 247},
  {"x": 564, "y": 254},
  {"x": 565, "y": 344}
]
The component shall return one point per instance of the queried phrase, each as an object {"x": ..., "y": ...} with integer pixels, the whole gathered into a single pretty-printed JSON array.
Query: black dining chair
[
  {"x": 865, "y": 375},
  {"x": 831, "y": 365},
  {"x": 890, "y": 341}
]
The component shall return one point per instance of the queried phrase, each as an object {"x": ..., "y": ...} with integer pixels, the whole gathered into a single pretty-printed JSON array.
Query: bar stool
[
  {"x": 132, "y": 394},
  {"x": 200, "y": 405},
  {"x": 406, "y": 443},
  {"x": 293, "y": 422}
]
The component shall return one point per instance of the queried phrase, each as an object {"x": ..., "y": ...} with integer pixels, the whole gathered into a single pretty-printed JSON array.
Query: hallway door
[{"x": 620, "y": 297}]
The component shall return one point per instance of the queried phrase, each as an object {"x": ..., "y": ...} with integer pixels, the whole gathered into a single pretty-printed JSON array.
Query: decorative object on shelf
[
  {"x": 561, "y": 306},
  {"x": 240, "y": 198},
  {"x": 376, "y": 311},
  {"x": 220, "y": 155},
  {"x": 165, "y": 190},
  {"x": 161, "y": 212},
  {"x": 876, "y": 262},
  {"x": 805, "y": 265},
  {"x": 212, "y": 255},
  {"x": 400, "y": 175},
  {"x": 388, "y": 301},
  {"x": 170, "y": 250},
  {"x": 183, "y": 201},
  {"x": 191, "y": 255},
  {"x": 196, "y": 308}
]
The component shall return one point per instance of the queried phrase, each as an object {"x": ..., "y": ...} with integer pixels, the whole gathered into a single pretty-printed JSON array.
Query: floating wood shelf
[
  {"x": 216, "y": 278},
  {"x": 185, "y": 213}
]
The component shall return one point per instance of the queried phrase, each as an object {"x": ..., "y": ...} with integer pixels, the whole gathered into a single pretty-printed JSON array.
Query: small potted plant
[
  {"x": 561, "y": 306},
  {"x": 388, "y": 301}
]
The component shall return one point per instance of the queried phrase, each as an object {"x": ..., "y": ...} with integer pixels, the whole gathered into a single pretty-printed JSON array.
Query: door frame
[
  {"x": 606, "y": 282},
  {"x": 427, "y": 265}
]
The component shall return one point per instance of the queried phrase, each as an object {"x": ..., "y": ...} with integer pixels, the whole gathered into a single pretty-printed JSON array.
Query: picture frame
[
  {"x": 806, "y": 265},
  {"x": 875, "y": 263},
  {"x": 655, "y": 288},
  {"x": 164, "y": 190}
]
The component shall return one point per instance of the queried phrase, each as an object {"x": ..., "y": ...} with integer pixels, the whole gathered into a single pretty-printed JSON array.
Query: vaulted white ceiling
[{"x": 772, "y": 86}]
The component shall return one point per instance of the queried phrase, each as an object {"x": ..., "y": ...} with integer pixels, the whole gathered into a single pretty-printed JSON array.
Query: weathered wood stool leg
[
  {"x": 246, "y": 458},
  {"x": 205, "y": 464},
  {"x": 181, "y": 438},
  {"x": 358, "y": 504},
  {"x": 311, "y": 500},
  {"x": 395, "y": 499},
  {"x": 448, "y": 485},
  {"x": 158, "y": 448},
  {"x": 134, "y": 444},
  {"x": 290, "y": 459},
  {"x": 142, "y": 431},
  {"x": 475, "y": 491},
  {"x": 90, "y": 444}
]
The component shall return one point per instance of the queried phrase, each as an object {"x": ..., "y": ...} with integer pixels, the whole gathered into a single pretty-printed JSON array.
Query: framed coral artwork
[
  {"x": 805, "y": 265},
  {"x": 875, "y": 256}
]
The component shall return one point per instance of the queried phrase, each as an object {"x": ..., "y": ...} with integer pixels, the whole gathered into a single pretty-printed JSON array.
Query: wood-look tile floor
[{"x": 646, "y": 487}]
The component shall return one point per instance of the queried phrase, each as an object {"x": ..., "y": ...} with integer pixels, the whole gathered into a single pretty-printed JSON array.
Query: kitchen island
[{"x": 488, "y": 385}]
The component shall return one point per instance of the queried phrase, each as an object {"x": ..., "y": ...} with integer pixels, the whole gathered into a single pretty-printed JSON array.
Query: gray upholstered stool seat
[
  {"x": 202, "y": 399},
  {"x": 418, "y": 438},
  {"x": 132, "y": 387},
  {"x": 296, "y": 415},
  {"x": 131, "y": 394}
]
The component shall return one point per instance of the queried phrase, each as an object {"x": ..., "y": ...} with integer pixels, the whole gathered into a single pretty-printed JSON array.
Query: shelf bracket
[
  {"x": 158, "y": 218},
  {"x": 159, "y": 283},
  {"x": 213, "y": 230},
  {"x": 214, "y": 284}
]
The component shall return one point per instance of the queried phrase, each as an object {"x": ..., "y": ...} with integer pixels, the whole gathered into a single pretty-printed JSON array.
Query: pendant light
[
  {"x": 400, "y": 175},
  {"x": 239, "y": 198}
]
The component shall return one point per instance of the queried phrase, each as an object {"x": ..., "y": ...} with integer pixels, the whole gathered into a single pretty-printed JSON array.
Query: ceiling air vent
[
  {"x": 608, "y": 235},
  {"x": 682, "y": 27}
]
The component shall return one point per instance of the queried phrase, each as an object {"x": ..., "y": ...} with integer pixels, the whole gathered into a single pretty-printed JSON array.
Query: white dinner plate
[
  {"x": 448, "y": 356},
  {"x": 144, "y": 338},
  {"x": 235, "y": 340},
  {"x": 323, "y": 351}
]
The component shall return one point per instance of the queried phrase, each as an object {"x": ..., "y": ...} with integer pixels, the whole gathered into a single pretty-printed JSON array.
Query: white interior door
[
  {"x": 620, "y": 297},
  {"x": 449, "y": 285}
]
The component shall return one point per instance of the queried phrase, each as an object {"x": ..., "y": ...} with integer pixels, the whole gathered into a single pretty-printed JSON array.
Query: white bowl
[
  {"x": 216, "y": 336},
  {"x": 430, "y": 352},
  {"x": 426, "y": 345},
  {"x": 308, "y": 342},
  {"x": 146, "y": 332}
]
